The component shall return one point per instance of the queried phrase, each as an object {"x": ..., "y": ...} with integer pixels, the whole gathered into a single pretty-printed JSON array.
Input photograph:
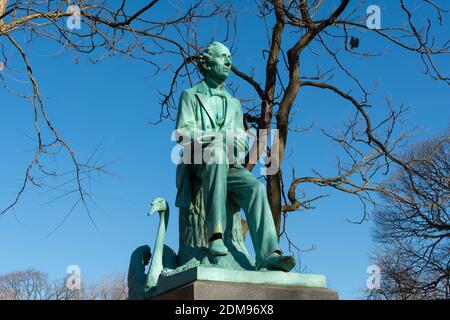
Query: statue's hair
[{"x": 206, "y": 55}]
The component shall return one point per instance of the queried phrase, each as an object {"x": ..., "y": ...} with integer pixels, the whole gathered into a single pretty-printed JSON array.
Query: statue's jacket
[{"x": 196, "y": 118}]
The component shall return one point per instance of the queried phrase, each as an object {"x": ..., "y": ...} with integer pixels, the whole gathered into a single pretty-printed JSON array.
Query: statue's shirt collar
[{"x": 203, "y": 88}]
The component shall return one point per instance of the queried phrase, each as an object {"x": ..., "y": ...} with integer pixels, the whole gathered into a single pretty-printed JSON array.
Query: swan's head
[{"x": 158, "y": 205}]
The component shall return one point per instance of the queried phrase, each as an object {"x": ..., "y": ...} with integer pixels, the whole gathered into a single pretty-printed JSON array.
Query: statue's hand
[
  {"x": 241, "y": 140},
  {"x": 236, "y": 140}
]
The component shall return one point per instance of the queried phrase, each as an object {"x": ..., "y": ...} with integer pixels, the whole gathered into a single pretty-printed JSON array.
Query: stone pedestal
[{"x": 209, "y": 283}]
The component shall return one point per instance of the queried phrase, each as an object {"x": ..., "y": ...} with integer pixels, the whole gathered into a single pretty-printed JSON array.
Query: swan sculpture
[{"x": 140, "y": 284}]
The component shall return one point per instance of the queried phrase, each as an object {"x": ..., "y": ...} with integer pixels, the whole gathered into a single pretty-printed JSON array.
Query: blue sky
[{"x": 110, "y": 104}]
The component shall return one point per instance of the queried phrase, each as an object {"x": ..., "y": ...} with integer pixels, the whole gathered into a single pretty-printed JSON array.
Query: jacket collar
[{"x": 203, "y": 88}]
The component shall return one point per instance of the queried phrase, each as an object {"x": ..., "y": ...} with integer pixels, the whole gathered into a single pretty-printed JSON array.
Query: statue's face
[{"x": 219, "y": 66}]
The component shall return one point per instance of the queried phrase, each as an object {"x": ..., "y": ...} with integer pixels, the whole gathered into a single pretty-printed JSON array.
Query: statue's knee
[{"x": 260, "y": 188}]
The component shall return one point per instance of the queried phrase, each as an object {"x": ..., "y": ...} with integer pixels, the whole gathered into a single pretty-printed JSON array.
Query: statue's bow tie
[{"x": 217, "y": 92}]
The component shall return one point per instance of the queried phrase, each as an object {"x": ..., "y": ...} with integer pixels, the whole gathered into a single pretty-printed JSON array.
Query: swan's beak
[{"x": 152, "y": 210}]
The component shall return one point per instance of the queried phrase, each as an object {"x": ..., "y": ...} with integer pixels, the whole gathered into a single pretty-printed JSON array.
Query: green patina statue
[{"x": 212, "y": 188}]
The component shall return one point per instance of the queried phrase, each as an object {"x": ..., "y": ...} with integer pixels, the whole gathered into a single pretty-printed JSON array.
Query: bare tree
[
  {"x": 412, "y": 229},
  {"x": 97, "y": 30},
  {"x": 32, "y": 284},
  {"x": 111, "y": 287}
]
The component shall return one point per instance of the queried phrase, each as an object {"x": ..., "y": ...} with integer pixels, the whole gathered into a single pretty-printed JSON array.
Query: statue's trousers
[{"x": 223, "y": 180}]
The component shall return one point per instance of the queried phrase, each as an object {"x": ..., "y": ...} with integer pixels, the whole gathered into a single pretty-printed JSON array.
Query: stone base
[
  {"x": 213, "y": 290},
  {"x": 211, "y": 283}
]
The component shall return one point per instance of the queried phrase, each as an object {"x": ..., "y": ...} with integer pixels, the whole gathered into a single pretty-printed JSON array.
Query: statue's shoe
[
  {"x": 217, "y": 248},
  {"x": 278, "y": 262}
]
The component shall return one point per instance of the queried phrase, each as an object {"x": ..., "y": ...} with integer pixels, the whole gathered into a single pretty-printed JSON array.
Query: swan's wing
[{"x": 170, "y": 260}]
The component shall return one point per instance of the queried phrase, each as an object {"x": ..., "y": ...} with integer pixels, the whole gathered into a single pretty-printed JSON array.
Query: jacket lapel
[
  {"x": 205, "y": 103},
  {"x": 202, "y": 95}
]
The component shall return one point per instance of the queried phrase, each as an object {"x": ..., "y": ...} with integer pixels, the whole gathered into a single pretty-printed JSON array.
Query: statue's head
[{"x": 215, "y": 62}]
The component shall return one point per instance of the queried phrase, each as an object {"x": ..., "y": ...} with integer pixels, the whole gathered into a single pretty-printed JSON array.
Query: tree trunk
[{"x": 274, "y": 196}]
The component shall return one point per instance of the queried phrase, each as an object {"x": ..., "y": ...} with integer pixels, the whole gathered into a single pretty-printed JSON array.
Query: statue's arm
[
  {"x": 242, "y": 144},
  {"x": 186, "y": 126},
  {"x": 235, "y": 135}
]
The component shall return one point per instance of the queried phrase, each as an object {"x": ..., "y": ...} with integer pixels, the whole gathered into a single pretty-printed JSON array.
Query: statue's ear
[
  {"x": 205, "y": 65},
  {"x": 202, "y": 65}
]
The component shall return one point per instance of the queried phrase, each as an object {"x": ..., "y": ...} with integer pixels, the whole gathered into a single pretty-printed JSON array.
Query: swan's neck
[{"x": 157, "y": 264}]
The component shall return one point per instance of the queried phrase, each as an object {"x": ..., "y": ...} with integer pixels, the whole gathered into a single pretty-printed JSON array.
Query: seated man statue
[{"x": 211, "y": 118}]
